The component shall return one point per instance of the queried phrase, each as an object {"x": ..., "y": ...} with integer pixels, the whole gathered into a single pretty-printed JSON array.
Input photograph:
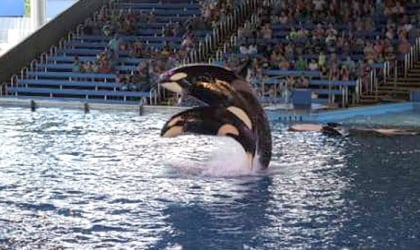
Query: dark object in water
[{"x": 341, "y": 130}]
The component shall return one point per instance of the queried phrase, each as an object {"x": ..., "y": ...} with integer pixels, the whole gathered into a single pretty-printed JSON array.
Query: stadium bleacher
[{"x": 63, "y": 72}]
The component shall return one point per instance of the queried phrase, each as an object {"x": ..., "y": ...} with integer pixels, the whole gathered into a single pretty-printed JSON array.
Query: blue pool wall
[
  {"x": 339, "y": 115},
  {"x": 415, "y": 96}
]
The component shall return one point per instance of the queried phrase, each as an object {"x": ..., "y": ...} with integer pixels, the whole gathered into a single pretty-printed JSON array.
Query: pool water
[{"x": 70, "y": 180}]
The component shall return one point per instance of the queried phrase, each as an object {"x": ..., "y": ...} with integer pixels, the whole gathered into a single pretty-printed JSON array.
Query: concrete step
[
  {"x": 399, "y": 87},
  {"x": 402, "y": 85},
  {"x": 406, "y": 79},
  {"x": 386, "y": 91},
  {"x": 387, "y": 94},
  {"x": 375, "y": 100}
]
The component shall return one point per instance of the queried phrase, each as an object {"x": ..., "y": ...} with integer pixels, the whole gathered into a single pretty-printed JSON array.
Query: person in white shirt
[
  {"x": 313, "y": 65},
  {"x": 243, "y": 49},
  {"x": 318, "y": 5}
]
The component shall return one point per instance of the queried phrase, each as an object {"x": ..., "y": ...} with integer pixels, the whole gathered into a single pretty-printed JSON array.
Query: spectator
[
  {"x": 350, "y": 64},
  {"x": 114, "y": 43},
  {"x": 301, "y": 64},
  {"x": 108, "y": 29},
  {"x": 313, "y": 65},
  {"x": 104, "y": 67},
  {"x": 344, "y": 73},
  {"x": 284, "y": 65},
  {"x": 404, "y": 46},
  {"x": 266, "y": 31},
  {"x": 76, "y": 67}
]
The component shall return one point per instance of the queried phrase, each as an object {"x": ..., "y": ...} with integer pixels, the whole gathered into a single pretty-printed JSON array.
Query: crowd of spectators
[
  {"x": 340, "y": 39},
  {"x": 118, "y": 24}
]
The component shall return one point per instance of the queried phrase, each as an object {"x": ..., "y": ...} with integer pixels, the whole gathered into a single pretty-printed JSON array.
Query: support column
[{"x": 38, "y": 10}]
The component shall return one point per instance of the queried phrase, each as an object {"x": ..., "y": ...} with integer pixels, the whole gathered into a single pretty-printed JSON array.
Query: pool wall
[
  {"x": 415, "y": 96},
  {"x": 40, "y": 103},
  {"x": 337, "y": 115},
  {"x": 273, "y": 114}
]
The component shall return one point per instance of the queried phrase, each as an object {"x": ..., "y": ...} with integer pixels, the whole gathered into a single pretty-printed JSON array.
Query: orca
[{"x": 229, "y": 108}]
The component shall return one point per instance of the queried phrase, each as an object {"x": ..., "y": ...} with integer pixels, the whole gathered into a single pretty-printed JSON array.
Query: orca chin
[{"x": 230, "y": 108}]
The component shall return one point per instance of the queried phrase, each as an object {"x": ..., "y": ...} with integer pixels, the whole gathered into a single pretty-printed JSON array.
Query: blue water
[{"x": 107, "y": 180}]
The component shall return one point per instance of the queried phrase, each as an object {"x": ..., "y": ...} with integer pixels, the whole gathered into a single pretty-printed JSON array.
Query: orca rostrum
[{"x": 230, "y": 108}]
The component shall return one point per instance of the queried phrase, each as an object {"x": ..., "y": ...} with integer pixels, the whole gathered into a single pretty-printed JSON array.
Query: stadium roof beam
[{"x": 38, "y": 14}]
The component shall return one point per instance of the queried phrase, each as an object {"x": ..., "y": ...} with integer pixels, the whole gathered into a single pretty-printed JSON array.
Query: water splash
[{"x": 210, "y": 156}]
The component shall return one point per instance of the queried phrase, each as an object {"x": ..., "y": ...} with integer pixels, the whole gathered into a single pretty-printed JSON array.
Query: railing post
[
  {"x": 395, "y": 73},
  {"x": 385, "y": 71},
  {"x": 226, "y": 27},
  {"x": 371, "y": 81},
  {"x": 412, "y": 52},
  {"x": 357, "y": 90},
  {"x": 375, "y": 82}
]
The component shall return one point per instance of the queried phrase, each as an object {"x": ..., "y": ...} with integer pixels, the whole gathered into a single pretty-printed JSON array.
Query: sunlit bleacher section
[
  {"x": 343, "y": 52},
  {"x": 116, "y": 55}
]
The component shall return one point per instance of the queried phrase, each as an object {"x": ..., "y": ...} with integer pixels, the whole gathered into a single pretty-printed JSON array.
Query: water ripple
[{"x": 107, "y": 180}]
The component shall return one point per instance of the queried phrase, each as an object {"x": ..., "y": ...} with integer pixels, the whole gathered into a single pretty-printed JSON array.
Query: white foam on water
[{"x": 210, "y": 156}]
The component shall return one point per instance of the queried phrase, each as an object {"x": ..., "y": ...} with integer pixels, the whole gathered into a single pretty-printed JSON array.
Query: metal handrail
[
  {"x": 61, "y": 43},
  {"x": 43, "y": 57},
  {"x": 223, "y": 30},
  {"x": 23, "y": 72},
  {"x": 233, "y": 40},
  {"x": 412, "y": 56},
  {"x": 33, "y": 64},
  {"x": 394, "y": 67},
  {"x": 53, "y": 51},
  {"x": 79, "y": 29},
  {"x": 153, "y": 95},
  {"x": 14, "y": 80}
]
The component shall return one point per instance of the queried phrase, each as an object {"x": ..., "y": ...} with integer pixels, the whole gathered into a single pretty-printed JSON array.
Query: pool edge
[
  {"x": 341, "y": 114},
  {"x": 318, "y": 116}
]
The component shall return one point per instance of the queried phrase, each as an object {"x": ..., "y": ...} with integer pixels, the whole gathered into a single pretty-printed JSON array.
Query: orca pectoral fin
[
  {"x": 209, "y": 120},
  {"x": 193, "y": 121}
]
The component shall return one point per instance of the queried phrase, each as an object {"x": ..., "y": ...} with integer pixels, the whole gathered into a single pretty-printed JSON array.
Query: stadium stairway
[{"x": 395, "y": 89}]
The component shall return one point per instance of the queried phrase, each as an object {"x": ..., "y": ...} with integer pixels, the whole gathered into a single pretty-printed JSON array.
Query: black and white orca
[{"x": 230, "y": 108}]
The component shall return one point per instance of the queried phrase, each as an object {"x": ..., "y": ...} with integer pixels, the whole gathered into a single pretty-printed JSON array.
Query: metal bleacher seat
[
  {"x": 63, "y": 84},
  {"x": 79, "y": 41},
  {"x": 332, "y": 83},
  {"x": 86, "y": 94},
  {"x": 51, "y": 67},
  {"x": 70, "y": 59},
  {"x": 272, "y": 72},
  {"x": 71, "y": 75},
  {"x": 156, "y": 6}
]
